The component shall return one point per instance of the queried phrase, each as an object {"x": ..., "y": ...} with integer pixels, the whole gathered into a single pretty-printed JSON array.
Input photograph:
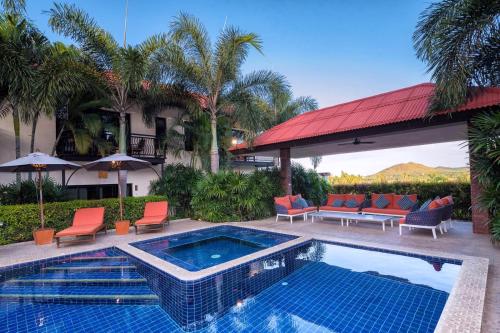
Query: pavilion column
[
  {"x": 480, "y": 216},
  {"x": 286, "y": 170}
]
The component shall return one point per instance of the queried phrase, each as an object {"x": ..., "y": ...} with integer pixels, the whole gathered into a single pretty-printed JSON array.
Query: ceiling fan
[{"x": 356, "y": 141}]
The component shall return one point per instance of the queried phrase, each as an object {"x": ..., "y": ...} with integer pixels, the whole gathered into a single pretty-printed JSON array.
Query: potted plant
[{"x": 122, "y": 227}]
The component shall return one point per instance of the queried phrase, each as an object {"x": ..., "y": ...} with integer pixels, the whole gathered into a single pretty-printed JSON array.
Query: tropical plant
[
  {"x": 316, "y": 161},
  {"x": 229, "y": 196},
  {"x": 460, "y": 42},
  {"x": 484, "y": 145},
  {"x": 213, "y": 74},
  {"x": 280, "y": 106},
  {"x": 309, "y": 184},
  {"x": 27, "y": 192},
  {"x": 34, "y": 74},
  {"x": 177, "y": 184},
  {"x": 85, "y": 127},
  {"x": 131, "y": 77}
]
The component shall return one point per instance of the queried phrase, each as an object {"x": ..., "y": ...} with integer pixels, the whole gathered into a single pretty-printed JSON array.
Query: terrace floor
[{"x": 458, "y": 240}]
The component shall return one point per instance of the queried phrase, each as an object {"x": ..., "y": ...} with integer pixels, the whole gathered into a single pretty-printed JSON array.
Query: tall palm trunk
[
  {"x": 58, "y": 138},
  {"x": 214, "y": 149},
  {"x": 122, "y": 139},
  {"x": 17, "y": 135}
]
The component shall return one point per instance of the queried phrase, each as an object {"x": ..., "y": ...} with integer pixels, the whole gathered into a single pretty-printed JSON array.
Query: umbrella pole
[
  {"x": 120, "y": 196},
  {"x": 42, "y": 216}
]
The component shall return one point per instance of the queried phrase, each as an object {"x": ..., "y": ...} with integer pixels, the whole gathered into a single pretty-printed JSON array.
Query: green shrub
[
  {"x": 230, "y": 196},
  {"x": 177, "y": 184},
  {"x": 309, "y": 184},
  {"x": 27, "y": 192},
  {"x": 424, "y": 191},
  {"x": 21, "y": 220}
]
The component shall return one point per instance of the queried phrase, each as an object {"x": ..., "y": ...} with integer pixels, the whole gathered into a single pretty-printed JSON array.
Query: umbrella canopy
[
  {"x": 117, "y": 162},
  {"x": 37, "y": 162}
]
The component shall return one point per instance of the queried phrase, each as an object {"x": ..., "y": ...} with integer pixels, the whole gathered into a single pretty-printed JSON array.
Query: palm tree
[
  {"x": 280, "y": 106},
  {"x": 127, "y": 68},
  {"x": 32, "y": 74},
  {"x": 316, "y": 161},
  {"x": 460, "y": 42},
  {"x": 213, "y": 73}
]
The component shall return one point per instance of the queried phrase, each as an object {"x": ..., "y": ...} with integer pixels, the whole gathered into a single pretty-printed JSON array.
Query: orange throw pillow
[
  {"x": 283, "y": 201},
  {"x": 435, "y": 204},
  {"x": 447, "y": 200}
]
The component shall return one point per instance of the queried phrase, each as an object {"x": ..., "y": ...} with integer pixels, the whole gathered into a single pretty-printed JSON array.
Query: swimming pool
[
  {"x": 313, "y": 286},
  {"x": 201, "y": 249}
]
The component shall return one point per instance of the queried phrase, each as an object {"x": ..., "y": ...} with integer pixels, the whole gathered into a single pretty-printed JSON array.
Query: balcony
[
  {"x": 252, "y": 161},
  {"x": 145, "y": 147}
]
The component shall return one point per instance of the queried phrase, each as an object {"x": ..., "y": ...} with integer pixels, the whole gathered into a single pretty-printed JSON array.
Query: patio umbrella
[
  {"x": 117, "y": 162},
  {"x": 38, "y": 162}
]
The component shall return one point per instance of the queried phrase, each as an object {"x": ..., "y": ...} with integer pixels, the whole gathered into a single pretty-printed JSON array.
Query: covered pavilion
[{"x": 393, "y": 119}]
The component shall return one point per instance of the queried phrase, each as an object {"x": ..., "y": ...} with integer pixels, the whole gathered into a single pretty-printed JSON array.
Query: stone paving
[{"x": 459, "y": 241}]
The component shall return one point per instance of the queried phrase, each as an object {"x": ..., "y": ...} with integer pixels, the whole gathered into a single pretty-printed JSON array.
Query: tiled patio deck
[{"x": 459, "y": 240}]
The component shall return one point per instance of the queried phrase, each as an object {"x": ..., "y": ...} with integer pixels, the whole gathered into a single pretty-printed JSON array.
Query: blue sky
[{"x": 334, "y": 51}]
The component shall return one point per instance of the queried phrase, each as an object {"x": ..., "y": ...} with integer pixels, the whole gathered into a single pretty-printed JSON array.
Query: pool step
[
  {"x": 93, "y": 281},
  {"x": 139, "y": 294},
  {"x": 92, "y": 263},
  {"x": 89, "y": 268}
]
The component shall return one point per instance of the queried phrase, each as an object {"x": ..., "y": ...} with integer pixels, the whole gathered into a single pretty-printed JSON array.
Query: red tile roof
[{"x": 388, "y": 108}]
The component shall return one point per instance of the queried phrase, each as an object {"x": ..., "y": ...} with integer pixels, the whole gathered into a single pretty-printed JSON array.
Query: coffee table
[{"x": 350, "y": 217}]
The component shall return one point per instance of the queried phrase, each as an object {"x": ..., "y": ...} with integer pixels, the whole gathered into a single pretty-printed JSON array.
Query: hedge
[
  {"x": 460, "y": 192},
  {"x": 21, "y": 220}
]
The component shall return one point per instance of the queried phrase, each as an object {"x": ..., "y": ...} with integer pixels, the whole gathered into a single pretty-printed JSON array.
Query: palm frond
[{"x": 73, "y": 22}]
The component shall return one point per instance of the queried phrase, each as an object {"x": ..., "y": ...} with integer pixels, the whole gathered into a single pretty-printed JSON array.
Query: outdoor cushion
[
  {"x": 439, "y": 201},
  {"x": 79, "y": 230},
  {"x": 337, "y": 203},
  {"x": 339, "y": 209},
  {"x": 294, "y": 198},
  {"x": 404, "y": 201},
  {"x": 283, "y": 201},
  {"x": 159, "y": 208},
  {"x": 88, "y": 216},
  {"x": 151, "y": 220},
  {"x": 436, "y": 203},
  {"x": 333, "y": 197},
  {"x": 386, "y": 211},
  {"x": 302, "y": 202},
  {"x": 309, "y": 209},
  {"x": 351, "y": 203},
  {"x": 448, "y": 200},
  {"x": 382, "y": 202},
  {"x": 375, "y": 197},
  {"x": 425, "y": 205},
  {"x": 402, "y": 220},
  {"x": 358, "y": 197},
  {"x": 295, "y": 211}
]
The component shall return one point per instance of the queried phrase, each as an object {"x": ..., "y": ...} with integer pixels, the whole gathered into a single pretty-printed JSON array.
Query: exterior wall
[{"x": 45, "y": 138}]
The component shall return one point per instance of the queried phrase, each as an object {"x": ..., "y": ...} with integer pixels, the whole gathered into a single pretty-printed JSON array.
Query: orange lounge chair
[
  {"x": 86, "y": 222},
  {"x": 155, "y": 215}
]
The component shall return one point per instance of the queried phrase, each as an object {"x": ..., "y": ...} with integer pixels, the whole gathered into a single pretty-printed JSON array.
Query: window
[
  {"x": 188, "y": 136},
  {"x": 93, "y": 192}
]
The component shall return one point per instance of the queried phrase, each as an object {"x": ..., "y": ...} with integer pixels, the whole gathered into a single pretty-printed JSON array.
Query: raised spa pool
[{"x": 201, "y": 249}]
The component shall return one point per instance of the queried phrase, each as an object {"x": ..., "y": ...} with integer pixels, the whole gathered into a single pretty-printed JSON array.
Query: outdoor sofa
[
  {"x": 436, "y": 214},
  {"x": 291, "y": 206},
  {"x": 390, "y": 204},
  {"x": 86, "y": 222},
  {"x": 344, "y": 203}
]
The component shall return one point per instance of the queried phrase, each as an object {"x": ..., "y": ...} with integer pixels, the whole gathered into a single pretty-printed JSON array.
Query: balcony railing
[
  {"x": 255, "y": 161},
  {"x": 138, "y": 145}
]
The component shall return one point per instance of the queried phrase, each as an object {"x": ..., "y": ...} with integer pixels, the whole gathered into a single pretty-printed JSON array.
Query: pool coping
[{"x": 463, "y": 310}]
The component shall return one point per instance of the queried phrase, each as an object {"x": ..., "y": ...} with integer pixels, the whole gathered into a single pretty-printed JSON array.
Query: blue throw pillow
[
  {"x": 296, "y": 205},
  {"x": 382, "y": 202},
  {"x": 302, "y": 202},
  {"x": 337, "y": 203},
  {"x": 405, "y": 202},
  {"x": 425, "y": 205},
  {"x": 351, "y": 203}
]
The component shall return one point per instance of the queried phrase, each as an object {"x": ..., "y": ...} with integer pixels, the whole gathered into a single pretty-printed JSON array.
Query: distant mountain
[{"x": 416, "y": 171}]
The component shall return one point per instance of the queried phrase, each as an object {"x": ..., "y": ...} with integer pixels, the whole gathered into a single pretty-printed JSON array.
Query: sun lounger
[
  {"x": 86, "y": 222},
  {"x": 155, "y": 216}
]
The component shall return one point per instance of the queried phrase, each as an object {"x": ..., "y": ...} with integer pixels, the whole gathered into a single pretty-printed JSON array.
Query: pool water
[
  {"x": 212, "y": 251},
  {"x": 201, "y": 249},
  {"x": 312, "y": 287}
]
